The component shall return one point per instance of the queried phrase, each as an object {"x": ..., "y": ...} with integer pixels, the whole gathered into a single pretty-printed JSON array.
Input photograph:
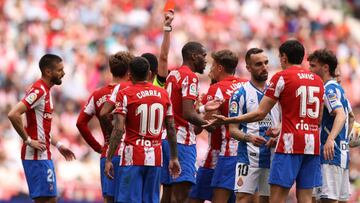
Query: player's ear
[
  {"x": 326, "y": 68},
  {"x": 47, "y": 72},
  {"x": 283, "y": 58},
  {"x": 221, "y": 68},
  {"x": 247, "y": 67},
  {"x": 193, "y": 57}
]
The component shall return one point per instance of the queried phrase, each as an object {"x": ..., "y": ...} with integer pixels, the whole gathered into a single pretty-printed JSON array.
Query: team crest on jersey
[
  {"x": 233, "y": 107},
  {"x": 209, "y": 97},
  {"x": 31, "y": 98},
  {"x": 194, "y": 80},
  {"x": 193, "y": 90}
]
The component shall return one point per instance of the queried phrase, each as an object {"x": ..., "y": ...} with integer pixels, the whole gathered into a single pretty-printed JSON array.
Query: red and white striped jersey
[
  {"x": 300, "y": 95},
  {"x": 220, "y": 141},
  {"x": 93, "y": 108},
  {"x": 38, "y": 120},
  {"x": 182, "y": 84},
  {"x": 145, "y": 107}
]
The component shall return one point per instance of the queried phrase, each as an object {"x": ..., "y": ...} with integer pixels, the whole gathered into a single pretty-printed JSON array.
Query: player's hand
[
  {"x": 219, "y": 120},
  {"x": 109, "y": 169},
  {"x": 213, "y": 104},
  {"x": 271, "y": 142},
  {"x": 169, "y": 17},
  {"x": 273, "y": 132},
  {"x": 174, "y": 168},
  {"x": 38, "y": 144},
  {"x": 329, "y": 149},
  {"x": 256, "y": 140},
  {"x": 67, "y": 153},
  {"x": 198, "y": 103}
]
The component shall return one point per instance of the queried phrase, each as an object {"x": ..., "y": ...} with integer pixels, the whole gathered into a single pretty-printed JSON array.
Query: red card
[{"x": 169, "y": 6}]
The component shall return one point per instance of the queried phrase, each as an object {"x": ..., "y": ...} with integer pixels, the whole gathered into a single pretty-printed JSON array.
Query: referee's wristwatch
[{"x": 167, "y": 28}]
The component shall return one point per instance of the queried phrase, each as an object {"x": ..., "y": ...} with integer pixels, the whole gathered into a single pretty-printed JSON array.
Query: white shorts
[
  {"x": 336, "y": 183},
  {"x": 249, "y": 179}
]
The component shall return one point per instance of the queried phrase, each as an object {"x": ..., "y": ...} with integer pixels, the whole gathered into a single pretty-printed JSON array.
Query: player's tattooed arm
[
  {"x": 116, "y": 135},
  {"x": 174, "y": 165},
  {"x": 171, "y": 136},
  {"x": 105, "y": 121}
]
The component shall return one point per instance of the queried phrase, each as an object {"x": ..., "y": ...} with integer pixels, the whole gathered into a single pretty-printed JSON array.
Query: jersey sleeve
[
  {"x": 236, "y": 103},
  {"x": 332, "y": 98},
  {"x": 112, "y": 98},
  {"x": 89, "y": 108},
  {"x": 190, "y": 87},
  {"x": 276, "y": 86},
  {"x": 121, "y": 104},
  {"x": 33, "y": 97}
]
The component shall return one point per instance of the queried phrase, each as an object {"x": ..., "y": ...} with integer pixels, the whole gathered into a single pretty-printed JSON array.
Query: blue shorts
[
  {"x": 165, "y": 174},
  {"x": 224, "y": 174},
  {"x": 304, "y": 169},
  {"x": 202, "y": 189},
  {"x": 108, "y": 185},
  {"x": 40, "y": 177},
  {"x": 138, "y": 184},
  {"x": 187, "y": 159}
]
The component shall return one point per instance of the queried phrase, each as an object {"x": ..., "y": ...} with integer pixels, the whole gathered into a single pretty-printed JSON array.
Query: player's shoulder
[
  {"x": 39, "y": 86},
  {"x": 240, "y": 91},
  {"x": 159, "y": 89},
  {"x": 106, "y": 89},
  {"x": 186, "y": 71}
]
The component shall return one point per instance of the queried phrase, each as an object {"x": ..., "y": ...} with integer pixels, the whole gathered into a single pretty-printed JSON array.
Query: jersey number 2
[
  {"x": 148, "y": 118},
  {"x": 306, "y": 94}
]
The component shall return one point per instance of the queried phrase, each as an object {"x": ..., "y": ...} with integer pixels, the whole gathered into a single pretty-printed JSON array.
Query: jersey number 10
[
  {"x": 307, "y": 97},
  {"x": 148, "y": 118}
]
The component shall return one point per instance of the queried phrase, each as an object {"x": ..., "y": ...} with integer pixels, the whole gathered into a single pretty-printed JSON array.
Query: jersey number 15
[{"x": 307, "y": 97}]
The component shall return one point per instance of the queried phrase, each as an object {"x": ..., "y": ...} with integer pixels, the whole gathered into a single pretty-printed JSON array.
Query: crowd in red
[{"x": 85, "y": 32}]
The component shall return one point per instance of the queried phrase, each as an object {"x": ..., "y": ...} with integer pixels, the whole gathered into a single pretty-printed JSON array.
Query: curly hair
[{"x": 325, "y": 56}]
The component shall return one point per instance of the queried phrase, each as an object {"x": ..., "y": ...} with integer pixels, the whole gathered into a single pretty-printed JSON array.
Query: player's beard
[
  {"x": 261, "y": 77},
  {"x": 56, "y": 81},
  {"x": 200, "y": 66}
]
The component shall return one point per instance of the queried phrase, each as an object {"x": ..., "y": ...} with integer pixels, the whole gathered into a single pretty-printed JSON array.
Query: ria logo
[
  {"x": 142, "y": 142},
  {"x": 302, "y": 126}
]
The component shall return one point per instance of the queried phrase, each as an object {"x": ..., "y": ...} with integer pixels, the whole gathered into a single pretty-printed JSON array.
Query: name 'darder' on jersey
[{"x": 147, "y": 93}]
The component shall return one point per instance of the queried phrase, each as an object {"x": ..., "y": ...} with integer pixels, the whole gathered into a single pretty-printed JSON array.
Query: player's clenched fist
[
  {"x": 109, "y": 169},
  {"x": 174, "y": 168}
]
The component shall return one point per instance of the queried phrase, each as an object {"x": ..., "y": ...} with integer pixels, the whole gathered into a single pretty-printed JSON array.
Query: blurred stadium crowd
[{"x": 85, "y": 32}]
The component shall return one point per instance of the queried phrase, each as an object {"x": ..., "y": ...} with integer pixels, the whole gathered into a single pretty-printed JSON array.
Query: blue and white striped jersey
[
  {"x": 335, "y": 98},
  {"x": 244, "y": 100}
]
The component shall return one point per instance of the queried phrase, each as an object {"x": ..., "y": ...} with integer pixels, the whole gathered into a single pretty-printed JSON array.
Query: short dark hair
[
  {"x": 293, "y": 50},
  {"x": 139, "y": 68},
  {"x": 48, "y": 61},
  {"x": 152, "y": 61},
  {"x": 191, "y": 48},
  {"x": 227, "y": 59},
  {"x": 119, "y": 63},
  {"x": 325, "y": 56},
  {"x": 251, "y": 52}
]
